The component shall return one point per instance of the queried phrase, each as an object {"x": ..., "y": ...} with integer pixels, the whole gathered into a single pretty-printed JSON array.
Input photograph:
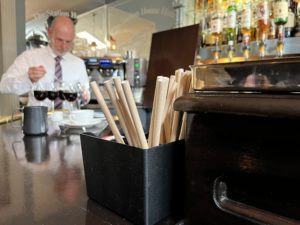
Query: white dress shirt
[{"x": 16, "y": 81}]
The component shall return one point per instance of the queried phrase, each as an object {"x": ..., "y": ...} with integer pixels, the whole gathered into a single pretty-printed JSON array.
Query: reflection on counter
[{"x": 37, "y": 159}]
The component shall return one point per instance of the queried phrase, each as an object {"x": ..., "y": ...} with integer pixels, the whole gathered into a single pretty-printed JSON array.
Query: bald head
[
  {"x": 64, "y": 22},
  {"x": 61, "y": 34}
]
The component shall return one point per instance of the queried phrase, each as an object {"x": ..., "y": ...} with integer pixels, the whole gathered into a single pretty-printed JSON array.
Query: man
[{"x": 40, "y": 65}]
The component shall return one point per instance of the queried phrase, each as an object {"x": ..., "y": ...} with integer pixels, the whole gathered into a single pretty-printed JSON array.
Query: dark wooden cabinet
[{"x": 242, "y": 159}]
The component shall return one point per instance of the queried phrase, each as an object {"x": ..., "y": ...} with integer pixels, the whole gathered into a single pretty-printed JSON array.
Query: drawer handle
[{"x": 245, "y": 211}]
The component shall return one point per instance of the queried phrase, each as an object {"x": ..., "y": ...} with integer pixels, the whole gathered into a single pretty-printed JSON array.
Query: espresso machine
[
  {"x": 136, "y": 74},
  {"x": 101, "y": 69}
]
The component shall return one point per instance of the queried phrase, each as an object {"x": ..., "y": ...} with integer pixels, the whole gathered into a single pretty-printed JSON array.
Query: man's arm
[{"x": 15, "y": 80}]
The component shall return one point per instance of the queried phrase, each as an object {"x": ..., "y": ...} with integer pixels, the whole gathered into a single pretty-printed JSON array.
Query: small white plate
[
  {"x": 98, "y": 114},
  {"x": 71, "y": 124}
]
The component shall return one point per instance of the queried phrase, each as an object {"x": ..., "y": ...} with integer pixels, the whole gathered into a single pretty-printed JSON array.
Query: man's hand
[
  {"x": 36, "y": 73},
  {"x": 85, "y": 96}
]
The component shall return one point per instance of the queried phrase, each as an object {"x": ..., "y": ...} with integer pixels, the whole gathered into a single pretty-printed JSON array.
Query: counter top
[{"x": 42, "y": 181}]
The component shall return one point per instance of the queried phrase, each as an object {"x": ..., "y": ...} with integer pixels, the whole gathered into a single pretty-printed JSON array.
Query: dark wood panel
[
  {"x": 170, "y": 50},
  {"x": 246, "y": 141}
]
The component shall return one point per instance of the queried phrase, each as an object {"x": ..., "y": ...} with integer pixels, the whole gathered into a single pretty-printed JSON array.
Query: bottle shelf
[{"x": 291, "y": 47}]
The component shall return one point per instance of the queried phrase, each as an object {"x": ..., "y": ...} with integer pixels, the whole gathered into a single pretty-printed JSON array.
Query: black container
[{"x": 142, "y": 185}]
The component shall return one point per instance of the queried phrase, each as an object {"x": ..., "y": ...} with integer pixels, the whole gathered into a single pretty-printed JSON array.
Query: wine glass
[
  {"x": 39, "y": 92},
  {"x": 82, "y": 92},
  {"x": 52, "y": 93},
  {"x": 61, "y": 89},
  {"x": 70, "y": 94}
]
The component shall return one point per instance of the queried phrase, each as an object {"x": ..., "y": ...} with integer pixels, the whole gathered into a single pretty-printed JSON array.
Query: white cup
[
  {"x": 57, "y": 116},
  {"x": 84, "y": 116}
]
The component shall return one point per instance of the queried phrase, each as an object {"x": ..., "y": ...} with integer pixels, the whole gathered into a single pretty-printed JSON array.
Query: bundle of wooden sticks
[{"x": 166, "y": 125}]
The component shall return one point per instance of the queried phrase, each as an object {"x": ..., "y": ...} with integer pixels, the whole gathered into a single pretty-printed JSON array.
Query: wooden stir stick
[
  {"x": 134, "y": 113},
  {"x": 162, "y": 83},
  {"x": 126, "y": 112},
  {"x": 166, "y": 127},
  {"x": 112, "y": 95},
  {"x": 150, "y": 135},
  {"x": 176, "y": 115},
  {"x": 106, "y": 112},
  {"x": 188, "y": 88}
]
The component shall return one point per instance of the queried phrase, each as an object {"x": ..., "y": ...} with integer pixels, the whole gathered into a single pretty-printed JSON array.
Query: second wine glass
[
  {"x": 39, "y": 92},
  {"x": 52, "y": 93}
]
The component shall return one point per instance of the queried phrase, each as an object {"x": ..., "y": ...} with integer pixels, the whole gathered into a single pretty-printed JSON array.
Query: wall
[
  {"x": 161, "y": 13},
  {"x": 153, "y": 16},
  {"x": 1, "y": 47},
  {"x": 12, "y": 42}
]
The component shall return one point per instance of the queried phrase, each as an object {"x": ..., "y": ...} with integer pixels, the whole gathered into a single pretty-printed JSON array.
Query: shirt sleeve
[{"x": 15, "y": 80}]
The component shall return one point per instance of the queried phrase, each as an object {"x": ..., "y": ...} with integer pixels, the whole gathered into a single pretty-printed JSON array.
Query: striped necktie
[{"x": 58, "y": 79}]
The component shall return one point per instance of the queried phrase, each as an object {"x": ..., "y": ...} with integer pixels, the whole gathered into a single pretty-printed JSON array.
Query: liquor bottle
[
  {"x": 296, "y": 30},
  {"x": 208, "y": 37},
  {"x": 289, "y": 26},
  {"x": 272, "y": 25},
  {"x": 254, "y": 27},
  {"x": 262, "y": 15},
  {"x": 246, "y": 22},
  {"x": 231, "y": 28},
  {"x": 224, "y": 35},
  {"x": 201, "y": 18},
  {"x": 280, "y": 19},
  {"x": 198, "y": 10},
  {"x": 224, "y": 12},
  {"x": 209, "y": 6},
  {"x": 216, "y": 27},
  {"x": 280, "y": 10}
]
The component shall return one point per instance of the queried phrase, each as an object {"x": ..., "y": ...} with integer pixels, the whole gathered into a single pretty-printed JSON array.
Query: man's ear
[{"x": 48, "y": 32}]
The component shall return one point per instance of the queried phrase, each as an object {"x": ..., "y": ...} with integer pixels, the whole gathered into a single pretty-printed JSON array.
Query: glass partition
[
  {"x": 120, "y": 26},
  {"x": 124, "y": 26}
]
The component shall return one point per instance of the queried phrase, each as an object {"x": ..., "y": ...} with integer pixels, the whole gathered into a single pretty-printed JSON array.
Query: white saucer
[{"x": 71, "y": 124}]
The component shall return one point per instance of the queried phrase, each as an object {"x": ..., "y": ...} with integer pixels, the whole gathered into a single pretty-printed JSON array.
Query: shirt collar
[{"x": 53, "y": 54}]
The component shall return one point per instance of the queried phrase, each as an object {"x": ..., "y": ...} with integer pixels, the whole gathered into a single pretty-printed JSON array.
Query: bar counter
[{"x": 42, "y": 181}]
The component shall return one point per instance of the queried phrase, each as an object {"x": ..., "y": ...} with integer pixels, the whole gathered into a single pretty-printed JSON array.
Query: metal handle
[{"x": 245, "y": 211}]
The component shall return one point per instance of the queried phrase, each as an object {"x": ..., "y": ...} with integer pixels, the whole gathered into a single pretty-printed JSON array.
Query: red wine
[
  {"x": 40, "y": 95},
  {"x": 61, "y": 95},
  {"x": 70, "y": 96},
  {"x": 52, "y": 95}
]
